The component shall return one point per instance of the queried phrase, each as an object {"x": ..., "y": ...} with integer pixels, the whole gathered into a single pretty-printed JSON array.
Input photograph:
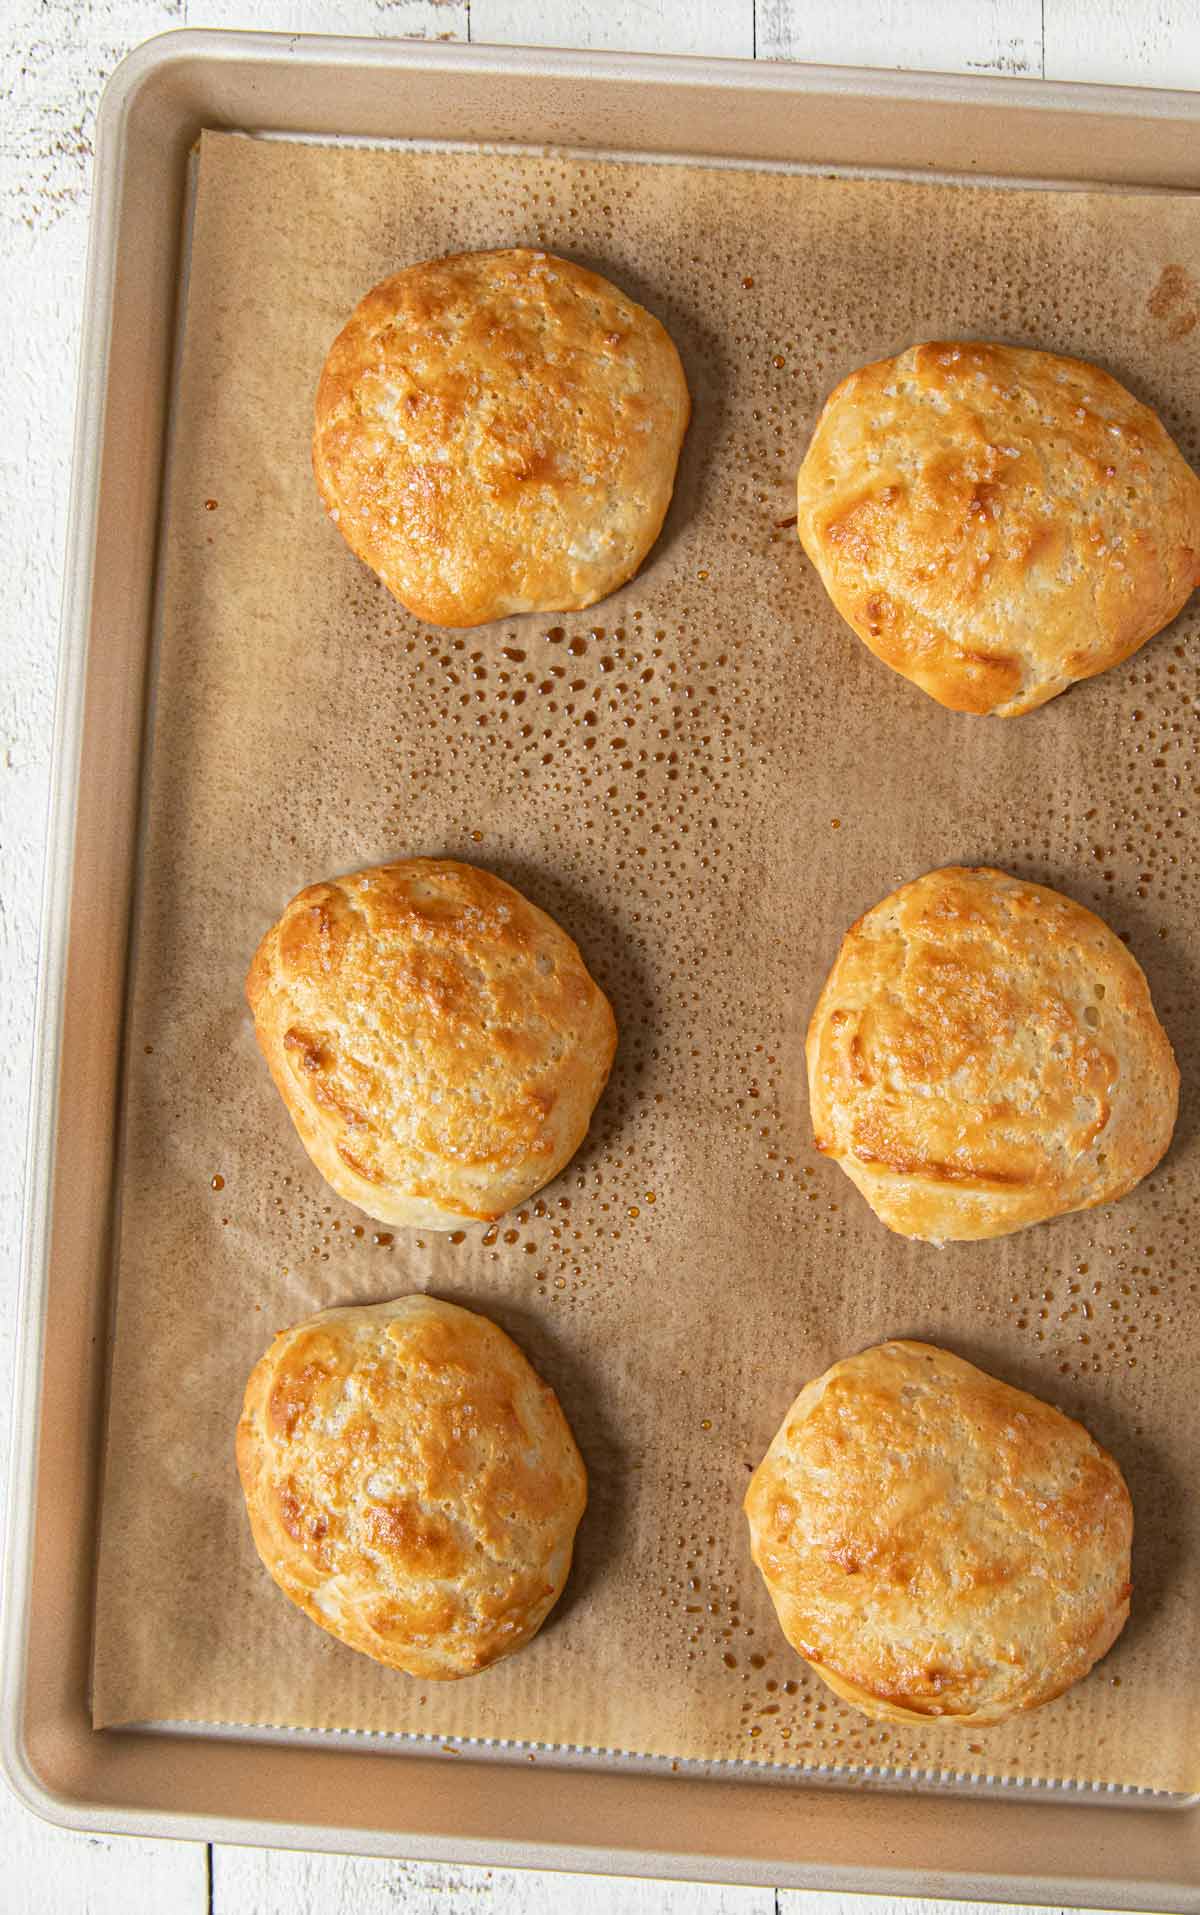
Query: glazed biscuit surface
[
  {"x": 936, "y": 1543},
  {"x": 996, "y": 523},
  {"x": 498, "y": 433},
  {"x": 985, "y": 1055},
  {"x": 411, "y": 1483},
  {"x": 436, "y": 1038}
]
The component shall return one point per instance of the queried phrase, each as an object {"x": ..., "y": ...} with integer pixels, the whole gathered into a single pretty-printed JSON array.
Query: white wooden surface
[{"x": 54, "y": 56}]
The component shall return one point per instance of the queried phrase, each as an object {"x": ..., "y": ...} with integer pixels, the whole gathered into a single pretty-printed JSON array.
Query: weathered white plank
[
  {"x": 268, "y": 1882},
  {"x": 937, "y": 36},
  {"x": 264, "y": 1882},
  {"x": 397, "y": 19},
  {"x": 52, "y": 1872},
  {"x": 1124, "y": 42},
  {"x": 723, "y": 27}
]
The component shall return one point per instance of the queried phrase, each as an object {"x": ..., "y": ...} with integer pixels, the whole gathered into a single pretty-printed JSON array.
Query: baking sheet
[{"x": 753, "y": 781}]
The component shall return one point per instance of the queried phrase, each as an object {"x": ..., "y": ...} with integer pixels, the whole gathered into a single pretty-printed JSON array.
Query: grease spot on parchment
[{"x": 1174, "y": 302}]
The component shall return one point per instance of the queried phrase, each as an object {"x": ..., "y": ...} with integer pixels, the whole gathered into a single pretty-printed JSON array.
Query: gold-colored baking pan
[{"x": 937, "y": 1836}]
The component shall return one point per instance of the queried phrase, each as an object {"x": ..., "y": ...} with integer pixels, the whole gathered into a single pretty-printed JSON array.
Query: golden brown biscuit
[
  {"x": 436, "y": 1038},
  {"x": 996, "y": 523},
  {"x": 937, "y": 1543},
  {"x": 498, "y": 433},
  {"x": 985, "y": 1055},
  {"x": 411, "y": 1483}
]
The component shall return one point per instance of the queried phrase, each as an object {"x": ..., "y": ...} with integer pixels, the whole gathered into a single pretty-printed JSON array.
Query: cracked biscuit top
[
  {"x": 437, "y": 1039},
  {"x": 411, "y": 1483},
  {"x": 985, "y": 1055},
  {"x": 498, "y": 433},
  {"x": 996, "y": 523},
  {"x": 936, "y": 1543}
]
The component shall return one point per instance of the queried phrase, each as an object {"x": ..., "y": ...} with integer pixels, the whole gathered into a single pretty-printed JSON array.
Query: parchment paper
[{"x": 753, "y": 781}]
